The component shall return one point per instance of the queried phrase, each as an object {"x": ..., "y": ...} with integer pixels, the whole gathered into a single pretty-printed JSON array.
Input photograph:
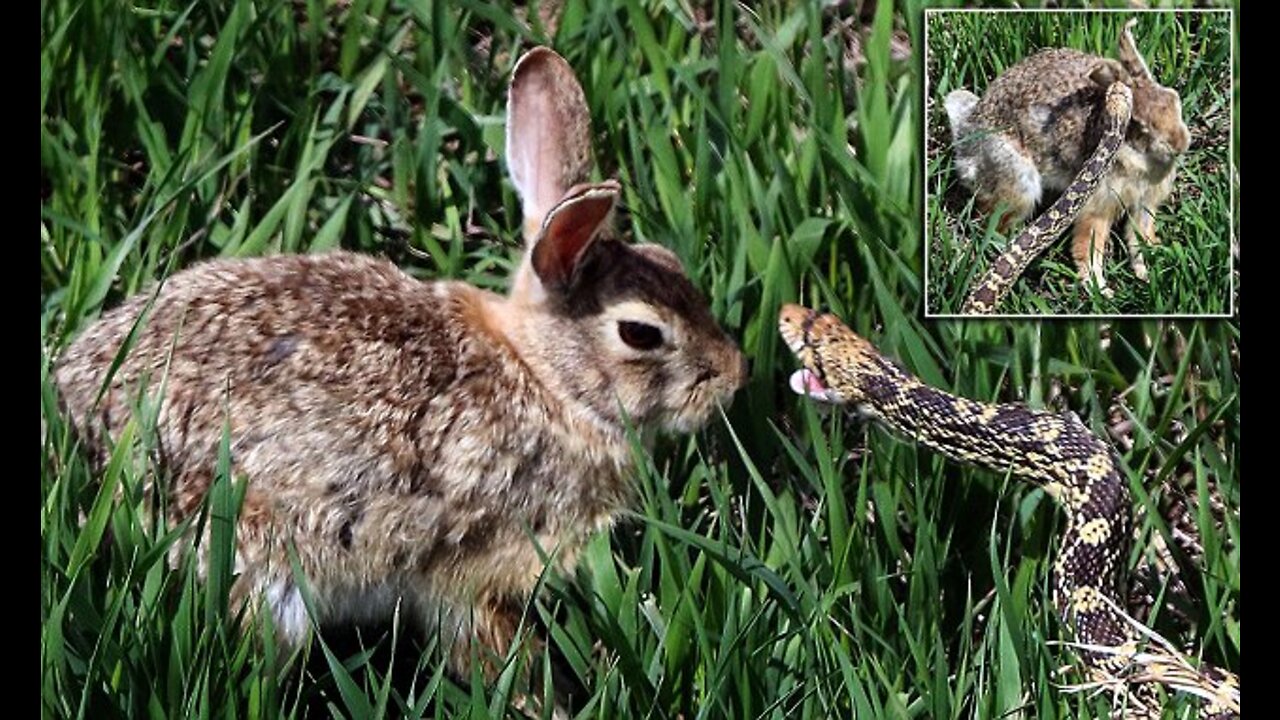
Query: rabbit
[
  {"x": 1037, "y": 125},
  {"x": 427, "y": 443}
]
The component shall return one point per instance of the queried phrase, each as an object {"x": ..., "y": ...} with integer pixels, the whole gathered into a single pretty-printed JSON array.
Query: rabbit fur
[
  {"x": 1038, "y": 123},
  {"x": 423, "y": 442}
]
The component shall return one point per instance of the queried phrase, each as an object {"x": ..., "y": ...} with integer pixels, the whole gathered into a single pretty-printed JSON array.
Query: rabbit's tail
[{"x": 959, "y": 105}]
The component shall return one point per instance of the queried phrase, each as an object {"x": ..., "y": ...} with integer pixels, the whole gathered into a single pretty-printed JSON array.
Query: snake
[
  {"x": 1053, "y": 450},
  {"x": 985, "y": 296}
]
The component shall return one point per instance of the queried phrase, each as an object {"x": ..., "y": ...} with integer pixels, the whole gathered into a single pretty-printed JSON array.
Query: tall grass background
[
  {"x": 1191, "y": 271},
  {"x": 782, "y": 563}
]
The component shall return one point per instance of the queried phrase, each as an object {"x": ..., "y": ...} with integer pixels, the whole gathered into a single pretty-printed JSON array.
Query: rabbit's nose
[{"x": 1184, "y": 141}]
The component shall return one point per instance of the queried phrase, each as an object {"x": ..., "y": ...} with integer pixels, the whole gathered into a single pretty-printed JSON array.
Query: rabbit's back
[
  {"x": 342, "y": 339},
  {"x": 1048, "y": 77},
  {"x": 1050, "y": 105}
]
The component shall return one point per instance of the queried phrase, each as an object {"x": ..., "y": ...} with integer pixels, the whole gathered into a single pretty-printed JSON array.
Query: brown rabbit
[
  {"x": 1038, "y": 124},
  {"x": 421, "y": 441}
]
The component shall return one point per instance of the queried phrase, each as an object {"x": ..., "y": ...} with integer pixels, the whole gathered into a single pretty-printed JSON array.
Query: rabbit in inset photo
[
  {"x": 1039, "y": 122},
  {"x": 424, "y": 442},
  {"x": 1037, "y": 134}
]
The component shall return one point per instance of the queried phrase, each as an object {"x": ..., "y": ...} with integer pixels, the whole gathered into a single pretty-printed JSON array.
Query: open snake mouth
[
  {"x": 806, "y": 382},
  {"x": 795, "y": 324}
]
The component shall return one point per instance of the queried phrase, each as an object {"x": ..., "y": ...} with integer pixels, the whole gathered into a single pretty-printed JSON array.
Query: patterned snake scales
[
  {"x": 985, "y": 297},
  {"x": 1054, "y": 450}
]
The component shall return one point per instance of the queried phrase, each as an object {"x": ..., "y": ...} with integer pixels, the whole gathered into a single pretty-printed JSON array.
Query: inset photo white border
[{"x": 1166, "y": 202}]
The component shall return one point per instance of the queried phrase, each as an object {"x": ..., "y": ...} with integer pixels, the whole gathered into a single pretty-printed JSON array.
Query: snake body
[
  {"x": 1053, "y": 450},
  {"x": 985, "y": 296}
]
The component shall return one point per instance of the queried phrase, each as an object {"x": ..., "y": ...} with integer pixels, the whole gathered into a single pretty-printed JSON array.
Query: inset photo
[{"x": 1079, "y": 163}]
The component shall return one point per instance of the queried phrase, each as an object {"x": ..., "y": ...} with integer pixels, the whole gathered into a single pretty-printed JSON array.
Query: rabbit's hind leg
[
  {"x": 267, "y": 584},
  {"x": 272, "y": 566},
  {"x": 1010, "y": 184},
  {"x": 495, "y": 626},
  {"x": 282, "y": 597},
  {"x": 261, "y": 569},
  {"x": 496, "y": 622}
]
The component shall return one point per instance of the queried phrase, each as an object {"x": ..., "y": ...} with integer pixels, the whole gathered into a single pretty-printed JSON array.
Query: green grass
[
  {"x": 782, "y": 563},
  {"x": 1191, "y": 271}
]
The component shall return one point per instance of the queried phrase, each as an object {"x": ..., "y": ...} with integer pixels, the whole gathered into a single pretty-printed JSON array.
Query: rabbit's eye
[{"x": 639, "y": 335}]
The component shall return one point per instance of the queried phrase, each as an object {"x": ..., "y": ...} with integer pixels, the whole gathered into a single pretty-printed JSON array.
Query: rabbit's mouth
[
  {"x": 1159, "y": 153},
  {"x": 700, "y": 401},
  {"x": 1162, "y": 156}
]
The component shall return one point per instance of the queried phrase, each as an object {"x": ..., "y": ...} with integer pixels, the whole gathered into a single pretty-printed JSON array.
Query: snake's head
[{"x": 830, "y": 355}]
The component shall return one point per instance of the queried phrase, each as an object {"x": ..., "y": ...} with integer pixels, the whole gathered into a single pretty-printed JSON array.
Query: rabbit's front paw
[{"x": 1140, "y": 269}]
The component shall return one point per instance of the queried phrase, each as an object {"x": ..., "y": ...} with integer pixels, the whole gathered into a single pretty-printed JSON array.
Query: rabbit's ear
[
  {"x": 548, "y": 134},
  {"x": 1130, "y": 57},
  {"x": 569, "y": 231}
]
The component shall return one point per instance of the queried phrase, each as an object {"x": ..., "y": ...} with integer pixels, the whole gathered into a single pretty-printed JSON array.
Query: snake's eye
[{"x": 638, "y": 335}]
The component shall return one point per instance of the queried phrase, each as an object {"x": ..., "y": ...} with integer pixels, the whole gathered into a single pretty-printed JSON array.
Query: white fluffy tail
[{"x": 959, "y": 105}]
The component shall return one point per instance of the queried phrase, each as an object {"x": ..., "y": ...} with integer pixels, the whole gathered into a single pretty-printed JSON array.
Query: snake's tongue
[{"x": 806, "y": 382}]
